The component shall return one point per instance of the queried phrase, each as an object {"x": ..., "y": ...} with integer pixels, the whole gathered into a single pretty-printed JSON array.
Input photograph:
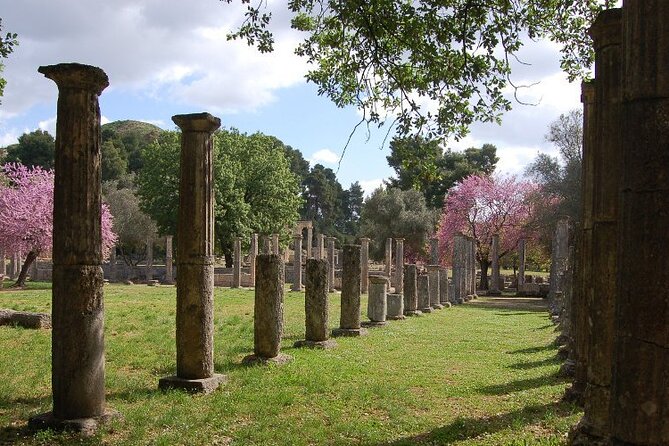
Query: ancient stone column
[
  {"x": 331, "y": 262},
  {"x": 275, "y": 244},
  {"x": 149, "y": 260},
  {"x": 607, "y": 34},
  {"x": 493, "y": 288},
  {"x": 560, "y": 252},
  {"x": 268, "y": 312},
  {"x": 424, "y": 293},
  {"x": 389, "y": 257},
  {"x": 521, "y": 267},
  {"x": 169, "y": 259},
  {"x": 237, "y": 263},
  {"x": 3, "y": 264},
  {"x": 364, "y": 263},
  {"x": 395, "y": 307},
  {"x": 77, "y": 350},
  {"x": 195, "y": 264},
  {"x": 253, "y": 253},
  {"x": 112, "y": 265},
  {"x": 472, "y": 265},
  {"x": 266, "y": 244},
  {"x": 316, "y": 306},
  {"x": 297, "y": 263},
  {"x": 640, "y": 386},
  {"x": 411, "y": 290},
  {"x": 434, "y": 251},
  {"x": 310, "y": 242},
  {"x": 377, "y": 301},
  {"x": 457, "y": 269},
  {"x": 399, "y": 265},
  {"x": 349, "y": 322},
  {"x": 433, "y": 273},
  {"x": 443, "y": 287},
  {"x": 320, "y": 247},
  {"x": 17, "y": 265}
]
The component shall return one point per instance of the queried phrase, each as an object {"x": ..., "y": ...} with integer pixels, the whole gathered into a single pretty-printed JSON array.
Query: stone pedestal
[
  {"x": 297, "y": 263},
  {"x": 237, "y": 263},
  {"x": 411, "y": 291},
  {"x": 78, "y": 350},
  {"x": 398, "y": 278},
  {"x": 377, "y": 303},
  {"x": 195, "y": 246},
  {"x": 349, "y": 323},
  {"x": 424, "y": 293},
  {"x": 434, "y": 292},
  {"x": 169, "y": 273},
  {"x": 493, "y": 287},
  {"x": 364, "y": 263},
  {"x": 316, "y": 306},
  {"x": 268, "y": 312},
  {"x": 395, "y": 307}
]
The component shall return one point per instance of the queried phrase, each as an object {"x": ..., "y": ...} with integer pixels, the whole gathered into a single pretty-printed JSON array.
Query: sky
[{"x": 167, "y": 57}]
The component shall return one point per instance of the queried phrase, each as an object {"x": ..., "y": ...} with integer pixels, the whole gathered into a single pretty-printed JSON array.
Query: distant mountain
[{"x": 128, "y": 130}]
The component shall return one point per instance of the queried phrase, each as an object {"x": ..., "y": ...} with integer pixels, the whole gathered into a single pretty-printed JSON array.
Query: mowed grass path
[{"x": 483, "y": 373}]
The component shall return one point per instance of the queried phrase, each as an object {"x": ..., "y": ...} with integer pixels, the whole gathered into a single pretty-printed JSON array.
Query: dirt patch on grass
[{"x": 510, "y": 303}]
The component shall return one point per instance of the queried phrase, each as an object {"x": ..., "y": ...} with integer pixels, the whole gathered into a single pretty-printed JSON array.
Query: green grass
[{"x": 483, "y": 373}]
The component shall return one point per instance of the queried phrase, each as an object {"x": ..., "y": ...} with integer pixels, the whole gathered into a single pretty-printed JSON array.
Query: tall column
[
  {"x": 320, "y": 247},
  {"x": 640, "y": 387},
  {"x": 268, "y": 312},
  {"x": 275, "y": 244},
  {"x": 472, "y": 244},
  {"x": 434, "y": 251},
  {"x": 297, "y": 263},
  {"x": 253, "y": 253},
  {"x": 521, "y": 266},
  {"x": 316, "y": 306},
  {"x": 266, "y": 244},
  {"x": 349, "y": 323},
  {"x": 195, "y": 246},
  {"x": 607, "y": 35},
  {"x": 310, "y": 242},
  {"x": 169, "y": 259},
  {"x": 389, "y": 257},
  {"x": 443, "y": 287},
  {"x": 77, "y": 350},
  {"x": 364, "y": 263},
  {"x": 149, "y": 259},
  {"x": 410, "y": 291},
  {"x": 399, "y": 265},
  {"x": 493, "y": 288},
  {"x": 433, "y": 273},
  {"x": 560, "y": 253},
  {"x": 3, "y": 264},
  {"x": 458, "y": 291},
  {"x": 112, "y": 265},
  {"x": 237, "y": 263},
  {"x": 331, "y": 262}
]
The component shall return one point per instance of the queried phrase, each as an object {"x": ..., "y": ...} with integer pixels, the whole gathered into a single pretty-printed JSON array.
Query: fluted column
[
  {"x": 364, "y": 264},
  {"x": 399, "y": 265},
  {"x": 237, "y": 263},
  {"x": 297, "y": 263},
  {"x": 493, "y": 288},
  {"x": 169, "y": 273}
]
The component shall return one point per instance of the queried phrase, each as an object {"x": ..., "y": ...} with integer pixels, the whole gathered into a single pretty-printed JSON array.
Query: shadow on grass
[
  {"x": 522, "y": 305},
  {"x": 540, "y": 349},
  {"x": 467, "y": 428},
  {"x": 30, "y": 403},
  {"x": 532, "y": 364},
  {"x": 522, "y": 384}
]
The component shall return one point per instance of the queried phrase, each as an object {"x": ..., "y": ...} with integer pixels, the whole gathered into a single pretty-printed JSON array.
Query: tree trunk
[
  {"x": 30, "y": 258},
  {"x": 484, "y": 264}
]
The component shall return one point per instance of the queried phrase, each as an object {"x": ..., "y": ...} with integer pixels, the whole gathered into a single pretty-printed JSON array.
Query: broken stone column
[
  {"x": 77, "y": 350},
  {"x": 364, "y": 263},
  {"x": 424, "y": 293},
  {"x": 389, "y": 257},
  {"x": 399, "y": 265},
  {"x": 237, "y": 263},
  {"x": 443, "y": 287},
  {"x": 316, "y": 306},
  {"x": 493, "y": 288},
  {"x": 395, "y": 307},
  {"x": 149, "y": 260},
  {"x": 275, "y": 245},
  {"x": 310, "y": 242},
  {"x": 521, "y": 267},
  {"x": 640, "y": 385},
  {"x": 434, "y": 251},
  {"x": 195, "y": 264},
  {"x": 253, "y": 253},
  {"x": 268, "y": 312},
  {"x": 331, "y": 261},
  {"x": 433, "y": 273},
  {"x": 349, "y": 322},
  {"x": 169, "y": 259},
  {"x": 297, "y": 263},
  {"x": 411, "y": 290},
  {"x": 377, "y": 303},
  {"x": 607, "y": 34}
]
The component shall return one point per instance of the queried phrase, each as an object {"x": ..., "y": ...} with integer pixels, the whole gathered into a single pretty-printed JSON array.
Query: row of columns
[{"x": 464, "y": 268}]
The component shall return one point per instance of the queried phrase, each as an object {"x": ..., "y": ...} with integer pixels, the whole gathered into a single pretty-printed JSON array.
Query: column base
[
  {"x": 580, "y": 435},
  {"x": 568, "y": 369},
  {"x": 374, "y": 324},
  {"x": 574, "y": 394},
  {"x": 437, "y": 306},
  {"x": 413, "y": 313},
  {"x": 323, "y": 345},
  {"x": 426, "y": 310},
  {"x": 279, "y": 359},
  {"x": 446, "y": 304},
  {"x": 350, "y": 332},
  {"x": 203, "y": 385},
  {"x": 401, "y": 317},
  {"x": 84, "y": 426}
]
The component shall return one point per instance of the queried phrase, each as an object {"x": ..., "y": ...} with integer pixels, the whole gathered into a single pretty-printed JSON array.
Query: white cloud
[
  {"x": 324, "y": 156},
  {"x": 104, "y": 120},
  {"x": 48, "y": 125},
  {"x": 11, "y": 137},
  {"x": 369, "y": 186}
]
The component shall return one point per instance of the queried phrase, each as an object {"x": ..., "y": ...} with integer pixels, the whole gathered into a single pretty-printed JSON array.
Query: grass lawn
[{"x": 483, "y": 373}]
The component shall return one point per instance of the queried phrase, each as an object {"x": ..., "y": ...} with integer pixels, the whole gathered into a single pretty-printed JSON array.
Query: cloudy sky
[{"x": 167, "y": 57}]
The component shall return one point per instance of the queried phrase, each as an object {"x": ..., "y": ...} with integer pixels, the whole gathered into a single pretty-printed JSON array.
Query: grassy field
[{"x": 483, "y": 373}]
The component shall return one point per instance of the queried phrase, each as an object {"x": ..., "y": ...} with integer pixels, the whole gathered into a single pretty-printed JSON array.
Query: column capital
[
  {"x": 197, "y": 122},
  {"x": 76, "y": 75}
]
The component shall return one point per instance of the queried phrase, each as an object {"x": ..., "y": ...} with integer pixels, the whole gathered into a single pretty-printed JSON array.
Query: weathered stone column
[
  {"x": 560, "y": 253},
  {"x": 3, "y": 264},
  {"x": 297, "y": 263},
  {"x": 17, "y": 264},
  {"x": 253, "y": 253},
  {"x": 457, "y": 270},
  {"x": 268, "y": 312},
  {"x": 433, "y": 273},
  {"x": 424, "y": 293},
  {"x": 377, "y": 301},
  {"x": 195, "y": 246},
  {"x": 316, "y": 306},
  {"x": 169, "y": 259},
  {"x": 521, "y": 267},
  {"x": 411, "y": 290},
  {"x": 434, "y": 251},
  {"x": 395, "y": 307},
  {"x": 266, "y": 244},
  {"x": 275, "y": 244},
  {"x": 399, "y": 265},
  {"x": 364, "y": 263},
  {"x": 320, "y": 247},
  {"x": 310, "y": 242},
  {"x": 389, "y": 257},
  {"x": 331, "y": 261},
  {"x": 149, "y": 260},
  {"x": 77, "y": 350},
  {"x": 112, "y": 265},
  {"x": 493, "y": 288},
  {"x": 640, "y": 386},
  {"x": 443, "y": 288},
  {"x": 349, "y": 323},
  {"x": 607, "y": 35},
  {"x": 472, "y": 265},
  {"x": 237, "y": 263}
]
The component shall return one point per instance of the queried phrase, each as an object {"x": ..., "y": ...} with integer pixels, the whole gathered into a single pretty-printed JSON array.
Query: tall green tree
[
  {"x": 352, "y": 202},
  {"x": 437, "y": 65},
  {"x": 34, "y": 149},
  {"x": 114, "y": 161},
  {"x": 7, "y": 44}
]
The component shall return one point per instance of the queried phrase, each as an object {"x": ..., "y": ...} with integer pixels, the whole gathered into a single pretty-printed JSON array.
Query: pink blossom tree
[
  {"x": 26, "y": 215},
  {"x": 481, "y": 206}
]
